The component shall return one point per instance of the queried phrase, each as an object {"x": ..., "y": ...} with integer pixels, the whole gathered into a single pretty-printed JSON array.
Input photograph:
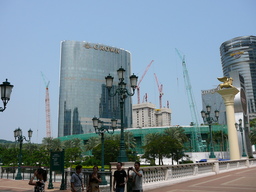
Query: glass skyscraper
[
  {"x": 83, "y": 93},
  {"x": 239, "y": 54}
]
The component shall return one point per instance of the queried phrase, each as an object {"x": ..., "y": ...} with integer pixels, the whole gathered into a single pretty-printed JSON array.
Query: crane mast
[
  {"x": 160, "y": 89},
  {"x": 197, "y": 135},
  {"x": 47, "y": 107},
  {"x": 138, "y": 85}
]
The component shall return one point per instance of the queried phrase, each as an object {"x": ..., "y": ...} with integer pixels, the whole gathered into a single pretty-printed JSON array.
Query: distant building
[
  {"x": 83, "y": 94},
  {"x": 146, "y": 115},
  {"x": 239, "y": 54},
  {"x": 212, "y": 98}
]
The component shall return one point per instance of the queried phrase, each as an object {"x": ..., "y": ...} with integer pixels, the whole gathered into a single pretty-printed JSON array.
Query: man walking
[
  {"x": 76, "y": 180},
  {"x": 120, "y": 178}
]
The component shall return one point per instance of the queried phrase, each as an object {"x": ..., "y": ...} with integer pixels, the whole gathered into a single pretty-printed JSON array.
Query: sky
[{"x": 31, "y": 32}]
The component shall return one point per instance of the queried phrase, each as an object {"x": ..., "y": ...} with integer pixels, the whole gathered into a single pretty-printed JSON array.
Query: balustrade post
[
  {"x": 68, "y": 184},
  {"x": 166, "y": 174},
  {"x": 216, "y": 167},
  {"x": 247, "y": 164},
  {"x": 195, "y": 170}
]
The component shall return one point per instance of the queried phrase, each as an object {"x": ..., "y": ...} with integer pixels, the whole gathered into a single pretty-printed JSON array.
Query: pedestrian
[
  {"x": 76, "y": 180},
  {"x": 136, "y": 176},
  {"x": 94, "y": 180},
  {"x": 120, "y": 178},
  {"x": 41, "y": 176}
]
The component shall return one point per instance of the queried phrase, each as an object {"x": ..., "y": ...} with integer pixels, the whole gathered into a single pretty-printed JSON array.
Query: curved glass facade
[
  {"x": 83, "y": 94},
  {"x": 239, "y": 54}
]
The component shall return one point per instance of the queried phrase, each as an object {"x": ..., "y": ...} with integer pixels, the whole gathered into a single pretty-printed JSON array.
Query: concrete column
[{"x": 228, "y": 96}]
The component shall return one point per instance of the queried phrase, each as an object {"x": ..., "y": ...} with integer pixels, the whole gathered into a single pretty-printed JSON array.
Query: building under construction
[{"x": 146, "y": 115}]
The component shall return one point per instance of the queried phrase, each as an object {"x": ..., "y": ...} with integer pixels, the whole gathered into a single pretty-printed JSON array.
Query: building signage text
[
  {"x": 102, "y": 48},
  {"x": 237, "y": 54},
  {"x": 204, "y": 92}
]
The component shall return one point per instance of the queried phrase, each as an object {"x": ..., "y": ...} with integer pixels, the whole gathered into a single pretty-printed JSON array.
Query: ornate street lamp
[
  {"x": 6, "y": 90},
  {"x": 209, "y": 120},
  {"x": 241, "y": 129},
  {"x": 122, "y": 92},
  {"x": 100, "y": 129},
  {"x": 20, "y": 138}
]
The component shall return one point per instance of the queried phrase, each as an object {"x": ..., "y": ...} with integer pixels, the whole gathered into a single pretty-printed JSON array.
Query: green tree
[
  {"x": 253, "y": 122},
  {"x": 111, "y": 151},
  {"x": 49, "y": 143},
  {"x": 220, "y": 138},
  {"x": 252, "y": 135},
  {"x": 176, "y": 138},
  {"x": 73, "y": 151},
  {"x": 9, "y": 154},
  {"x": 168, "y": 144},
  {"x": 94, "y": 145},
  {"x": 152, "y": 147},
  {"x": 91, "y": 143}
]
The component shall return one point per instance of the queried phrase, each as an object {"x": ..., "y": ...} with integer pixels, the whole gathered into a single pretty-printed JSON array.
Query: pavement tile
[{"x": 241, "y": 180}]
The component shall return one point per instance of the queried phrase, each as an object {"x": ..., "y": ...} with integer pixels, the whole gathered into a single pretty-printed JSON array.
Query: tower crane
[
  {"x": 47, "y": 107},
  {"x": 160, "y": 89},
  {"x": 193, "y": 111},
  {"x": 138, "y": 85}
]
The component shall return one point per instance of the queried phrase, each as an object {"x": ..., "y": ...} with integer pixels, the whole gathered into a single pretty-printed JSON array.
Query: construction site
[{"x": 147, "y": 118}]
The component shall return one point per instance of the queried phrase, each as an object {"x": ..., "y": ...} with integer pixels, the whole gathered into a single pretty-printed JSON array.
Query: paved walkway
[
  {"x": 9, "y": 185},
  {"x": 242, "y": 180}
]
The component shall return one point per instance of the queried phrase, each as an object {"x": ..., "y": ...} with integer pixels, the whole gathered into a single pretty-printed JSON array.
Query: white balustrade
[{"x": 164, "y": 173}]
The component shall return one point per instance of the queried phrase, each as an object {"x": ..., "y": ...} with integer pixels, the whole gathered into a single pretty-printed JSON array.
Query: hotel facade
[
  {"x": 239, "y": 54},
  {"x": 83, "y": 94}
]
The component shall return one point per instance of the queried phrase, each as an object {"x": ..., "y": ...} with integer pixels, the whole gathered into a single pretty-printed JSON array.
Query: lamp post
[
  {"x": 122, "y": 92},
  {"x": 20, "y": 138},
  {"x": 209, "y": 120},
  {"x": 6, "y": 90},
  {"x": 241, "y": 129},
  {"x": 100, "y": 130}
]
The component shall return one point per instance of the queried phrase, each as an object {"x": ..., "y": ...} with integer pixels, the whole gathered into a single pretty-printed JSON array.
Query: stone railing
[
  {"x": 164, "y": 175},
  {"x": 178, "y": 173}
]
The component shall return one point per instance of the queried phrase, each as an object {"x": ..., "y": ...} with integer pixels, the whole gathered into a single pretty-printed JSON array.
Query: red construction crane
[
  {"x": 138, "y": 86},
  {"x": 47, "y": 108},
  {"x": 160, "y": 89}
]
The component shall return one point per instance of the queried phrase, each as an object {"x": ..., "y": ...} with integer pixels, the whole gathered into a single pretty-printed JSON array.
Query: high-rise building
[
  {"x": 239, "y": 54},
  {"x": 83, "y": 93},
  {"x": 146, "y": 115}
]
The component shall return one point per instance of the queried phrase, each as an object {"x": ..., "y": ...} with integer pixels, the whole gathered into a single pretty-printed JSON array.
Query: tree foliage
[
  {"x": 112, "y": 147},
  {"x": 252, "y": 133},
  {"x": 168, "y": 144},
  {"x": 220, "y": 138},
  {"x": 39, "y": 154}
]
